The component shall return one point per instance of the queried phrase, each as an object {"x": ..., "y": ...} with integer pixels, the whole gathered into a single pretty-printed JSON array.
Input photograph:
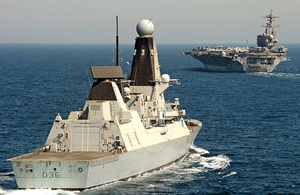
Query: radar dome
[
  {"x": 145, "y": 28},
  {"x": 126, "y": 91},
  {"x": 165, "y": 78}
]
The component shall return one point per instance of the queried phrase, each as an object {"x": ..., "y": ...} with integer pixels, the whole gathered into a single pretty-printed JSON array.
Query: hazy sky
[{"x": 175, "y": 21}]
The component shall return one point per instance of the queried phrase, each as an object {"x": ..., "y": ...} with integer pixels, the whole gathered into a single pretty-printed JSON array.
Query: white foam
[
  {"x": 36, "y": 192},
  {"x": 230, "y": 174},
  {"x": 151, "y": 186},
  {"x": 198, "y": 150},
  {"x": 278, "y": 74},
  {"x": 2, "y": 191},
  {"x": 215, "y": 162},
  {"x": 196, "y": 163},
  {"x": 5, "y": 174}
]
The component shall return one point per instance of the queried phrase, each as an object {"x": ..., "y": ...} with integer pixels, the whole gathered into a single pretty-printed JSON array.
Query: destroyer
[
  {"x": 121, "y": 131},
  {"x": 263, "y": 58}
]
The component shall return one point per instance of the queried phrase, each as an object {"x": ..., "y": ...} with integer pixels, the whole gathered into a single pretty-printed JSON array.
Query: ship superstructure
[
  {"x": 126, "y": 128},
  {"x": 263, "y": 58}
]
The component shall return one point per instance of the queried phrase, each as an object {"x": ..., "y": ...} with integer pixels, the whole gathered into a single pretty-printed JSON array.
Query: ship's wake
[
  {"x": 36, "y": 192},
  {"x": 292, "y": 75},
  {"x": 199, "y": 161},
  {"x": 203, "y": 162}
]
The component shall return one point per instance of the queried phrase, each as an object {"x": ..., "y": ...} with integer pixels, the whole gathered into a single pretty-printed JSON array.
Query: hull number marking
[{"x": 51, "y": 175}]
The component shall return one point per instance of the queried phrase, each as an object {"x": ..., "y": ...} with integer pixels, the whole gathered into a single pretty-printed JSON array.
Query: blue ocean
[{"x": 249, "y": 142}]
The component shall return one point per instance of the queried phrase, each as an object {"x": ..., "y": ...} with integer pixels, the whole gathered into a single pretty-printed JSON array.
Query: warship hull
[
  {"x": 242, "y": 63},
  {"x": 126, "y": 128},
  {"x": 47, "y": 170}
]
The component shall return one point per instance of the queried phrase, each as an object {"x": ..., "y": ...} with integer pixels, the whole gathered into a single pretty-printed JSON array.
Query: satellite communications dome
[
  {"x": 165, "y": 78},
  {"x": 126, "y": 91},
  {"x": 145, "y": 28}
]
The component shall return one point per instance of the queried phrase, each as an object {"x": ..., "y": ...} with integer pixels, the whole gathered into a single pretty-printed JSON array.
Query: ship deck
[
  {"x": 63, "y": 156},
  {"x": 230, "y": 54}
]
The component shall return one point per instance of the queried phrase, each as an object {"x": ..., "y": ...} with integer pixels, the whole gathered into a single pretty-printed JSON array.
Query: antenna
[
  {"x": 117, "y": 42},
  {"x": 117, "y": 59},
  {"x": 119, "y": 81}
]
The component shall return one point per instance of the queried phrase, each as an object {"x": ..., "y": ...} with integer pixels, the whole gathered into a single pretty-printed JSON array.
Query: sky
[{"x": 175, "y": 21}]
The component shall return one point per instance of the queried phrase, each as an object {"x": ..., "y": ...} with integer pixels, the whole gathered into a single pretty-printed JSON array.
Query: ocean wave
[
  {"x": 6, "y": 177},
  {"x": 230, "y": 174},
  {"x": 7, "y": 174},
  {"x": 278, "y": 74},
  {"x": 195, "y": 149},
  {"x": 195, "y": 162},
  {"x": 36, "y": 192}
]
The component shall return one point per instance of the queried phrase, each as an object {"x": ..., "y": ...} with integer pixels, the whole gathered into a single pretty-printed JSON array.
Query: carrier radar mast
[
  {"x": 267, "y": 39},
  {"x": 270, "y": 28}
]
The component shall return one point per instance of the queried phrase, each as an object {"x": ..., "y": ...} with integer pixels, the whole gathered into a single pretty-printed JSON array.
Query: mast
[
  {"x": 119, "y": 81},
  {"x": 145, "y": 66},
  {"x": 270, "y": 28},
  {"x": 267, "y": 39},
  {"x": 117, "y": 42}
]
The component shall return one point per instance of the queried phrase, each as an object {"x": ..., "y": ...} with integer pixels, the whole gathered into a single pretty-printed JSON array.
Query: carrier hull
[{"x": 242, "y": 63}]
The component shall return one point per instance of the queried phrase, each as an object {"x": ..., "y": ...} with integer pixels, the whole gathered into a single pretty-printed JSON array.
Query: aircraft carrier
[
  {"x": 126, "y": 128},
  {"x": 263, "y": 58}
]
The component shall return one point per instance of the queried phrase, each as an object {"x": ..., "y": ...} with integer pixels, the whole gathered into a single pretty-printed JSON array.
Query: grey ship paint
[
  {"x": 263, "y": 58},
  {"x": 116, "y": 135}
]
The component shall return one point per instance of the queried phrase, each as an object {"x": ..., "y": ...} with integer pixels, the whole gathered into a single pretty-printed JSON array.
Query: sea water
[{"x": 249, "y": 142}]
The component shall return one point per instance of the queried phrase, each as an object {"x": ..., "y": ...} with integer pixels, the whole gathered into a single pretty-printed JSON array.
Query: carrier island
[
  {"x": 125, "y": 129},
  {"x": 263, "y": 58}
]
